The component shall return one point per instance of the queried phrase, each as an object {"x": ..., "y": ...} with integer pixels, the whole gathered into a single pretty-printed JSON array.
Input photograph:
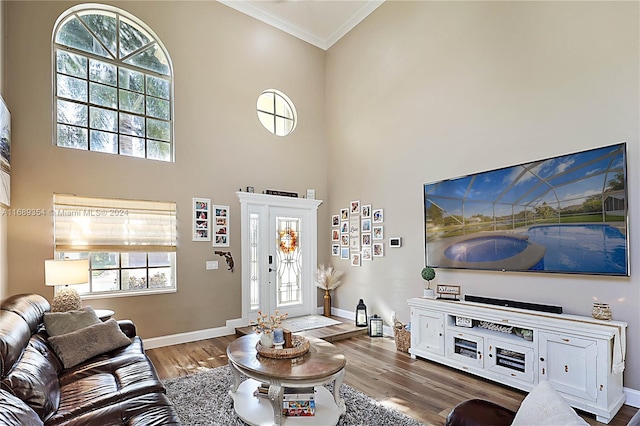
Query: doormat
[{"x": 308, "y": 322}]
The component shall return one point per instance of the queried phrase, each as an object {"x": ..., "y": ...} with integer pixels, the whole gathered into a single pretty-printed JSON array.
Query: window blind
[{"x": 113, "y": 225}]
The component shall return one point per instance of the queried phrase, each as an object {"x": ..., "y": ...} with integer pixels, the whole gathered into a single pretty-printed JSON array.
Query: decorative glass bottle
[{"x": 601, "y": 311}]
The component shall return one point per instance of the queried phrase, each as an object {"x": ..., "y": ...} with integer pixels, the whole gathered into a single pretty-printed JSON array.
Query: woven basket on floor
[{"x": 402, "y": 337}]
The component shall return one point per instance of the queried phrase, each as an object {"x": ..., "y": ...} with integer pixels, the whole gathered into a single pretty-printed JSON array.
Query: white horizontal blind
[{"x": 113, "y": 225}]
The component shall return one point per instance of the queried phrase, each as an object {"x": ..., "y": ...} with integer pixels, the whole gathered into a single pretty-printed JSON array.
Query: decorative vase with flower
[
  {"x": 328, "y": 279},
  {"x": 265, "y": 339},
  {"x": 266, "y": 325},
  {"x": 428, "y": 273}
]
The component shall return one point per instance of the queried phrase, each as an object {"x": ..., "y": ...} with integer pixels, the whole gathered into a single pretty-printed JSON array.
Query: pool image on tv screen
[{"x": 565, "y": 214}]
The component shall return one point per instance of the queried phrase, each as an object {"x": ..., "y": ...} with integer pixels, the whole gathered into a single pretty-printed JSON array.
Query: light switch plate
[{"x": 212, "y": 264}]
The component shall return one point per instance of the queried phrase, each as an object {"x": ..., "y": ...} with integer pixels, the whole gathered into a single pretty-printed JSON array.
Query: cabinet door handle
[
  {"x": 543, "y": 371},
  {"x": 440, "y": 334},
  {"x": 566, "y": 368},
  {"x": 542, "y": 359},
  {"x": 490, "y": 355}
]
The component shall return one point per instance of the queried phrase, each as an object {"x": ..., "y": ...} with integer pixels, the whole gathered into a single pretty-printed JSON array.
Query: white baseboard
[
  {"x": 632, "y": 397},
  {"x": 193, "y": 336}
]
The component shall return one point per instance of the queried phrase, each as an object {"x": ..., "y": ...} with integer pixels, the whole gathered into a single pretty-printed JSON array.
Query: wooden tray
[{"x": 300, "y": 347}]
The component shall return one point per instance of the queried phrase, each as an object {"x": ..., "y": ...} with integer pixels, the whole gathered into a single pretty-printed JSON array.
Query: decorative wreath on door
[{"x": 288, "y": 241}]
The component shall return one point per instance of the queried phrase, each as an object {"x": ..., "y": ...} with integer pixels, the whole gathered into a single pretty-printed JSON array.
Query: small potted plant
[{"x": 428, "y": 273}]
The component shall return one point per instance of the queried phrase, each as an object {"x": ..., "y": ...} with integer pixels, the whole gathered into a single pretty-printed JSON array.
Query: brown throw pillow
[
  {"x": 58, "y": 323},
  {"x": 81, "y": 345}
]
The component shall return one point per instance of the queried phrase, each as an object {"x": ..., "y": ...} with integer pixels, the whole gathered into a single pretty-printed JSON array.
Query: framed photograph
[
  {"x": 367, "y": 253},
  {"x": 366, "y": 225},
  {"x": 335, "y": 249},
  {"x": 201, "y": 219},
  {"x": 354, "y": 232},
  {"x": 378, "y": 216},
  {"x": 335, "y": 235},
  {"x": 366, "y": 239},
  {"x": 354, "y": 243},
  {"x": 221, "y": 226},
  {"x": 344, "y": 240},
  {"x": 344, "y": 214},
  {"x": 355, "y": 259},
  {"x": 366, "y": 211},
  {"x": 5, "y": 154},
  {"x": 378, "y": 232},
  {"x": 378, "y": 249},
  {"x": 355, "y": 208},
  {"x": 344, "y": 227},
  {"x": 344, "y": 253},
  {"x": 534, "y": 217},
  {"x": 335, "y": 220}
]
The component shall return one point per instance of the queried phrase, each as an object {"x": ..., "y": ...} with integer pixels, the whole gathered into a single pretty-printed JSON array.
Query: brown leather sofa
[
  {"x": 120, "y": 387},
  {"x": 479, "y": 412}
]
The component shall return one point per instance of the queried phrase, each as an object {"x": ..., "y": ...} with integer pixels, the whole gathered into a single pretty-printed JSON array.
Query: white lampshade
[{"x": 65, "y": 272}]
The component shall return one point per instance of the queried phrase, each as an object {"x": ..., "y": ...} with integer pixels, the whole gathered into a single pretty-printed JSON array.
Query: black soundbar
[{"x": 514, "y": 304}]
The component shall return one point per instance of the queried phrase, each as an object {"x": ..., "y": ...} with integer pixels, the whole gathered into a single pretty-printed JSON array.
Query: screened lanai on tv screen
[{"x": 566, "y": 214}]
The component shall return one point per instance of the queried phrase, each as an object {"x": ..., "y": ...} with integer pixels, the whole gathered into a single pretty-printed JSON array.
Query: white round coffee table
[{"x": 323, "y": 364}]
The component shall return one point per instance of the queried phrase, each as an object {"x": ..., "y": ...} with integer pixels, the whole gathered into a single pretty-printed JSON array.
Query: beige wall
[
  {"x": 222, "y": 61},
  {"x": 419, "y": 91},
  {"x": 423, "y": 91}
]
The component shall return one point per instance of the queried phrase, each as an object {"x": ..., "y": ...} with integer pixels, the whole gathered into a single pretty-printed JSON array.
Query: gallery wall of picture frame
[
  {"x": 210, "y": 222},
  {"x": 357, "y": 233}
]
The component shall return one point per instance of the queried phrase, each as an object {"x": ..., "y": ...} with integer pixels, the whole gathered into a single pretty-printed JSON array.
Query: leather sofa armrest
[
  {"x": 478, "y": 412},
  {"x": 128, "y": 328}
]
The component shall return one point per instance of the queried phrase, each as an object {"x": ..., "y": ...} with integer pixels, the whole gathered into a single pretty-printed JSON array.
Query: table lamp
[{"x": 65, "y": 273}]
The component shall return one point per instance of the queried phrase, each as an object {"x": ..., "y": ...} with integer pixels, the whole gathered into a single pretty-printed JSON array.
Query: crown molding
[{"x": 323, "y": 42}]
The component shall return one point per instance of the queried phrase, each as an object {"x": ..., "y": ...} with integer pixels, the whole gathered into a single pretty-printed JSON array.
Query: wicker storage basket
[{"x": 402, "y": 337}]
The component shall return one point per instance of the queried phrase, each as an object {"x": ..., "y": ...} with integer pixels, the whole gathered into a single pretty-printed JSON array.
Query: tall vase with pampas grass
[{"x": 328, "y": 279}]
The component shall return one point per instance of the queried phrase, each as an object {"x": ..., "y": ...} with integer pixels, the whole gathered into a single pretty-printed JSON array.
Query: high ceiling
[{"x": 319, "y": 22}]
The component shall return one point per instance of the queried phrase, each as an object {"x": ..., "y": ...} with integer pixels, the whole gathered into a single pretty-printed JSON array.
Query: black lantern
[
  {"x": 375, "y": 326},
  {"x": 361, "y": 314}
]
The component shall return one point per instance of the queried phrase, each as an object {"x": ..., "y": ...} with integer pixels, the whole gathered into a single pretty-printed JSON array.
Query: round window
[{"x": 276, "y": 112}]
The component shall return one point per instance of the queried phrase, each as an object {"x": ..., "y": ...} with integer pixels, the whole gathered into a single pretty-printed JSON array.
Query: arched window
[{"x": 113, "y": 84}]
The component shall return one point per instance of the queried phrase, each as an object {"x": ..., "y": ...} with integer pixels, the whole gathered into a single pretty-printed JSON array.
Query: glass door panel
[{"x": 289, "y": 262}]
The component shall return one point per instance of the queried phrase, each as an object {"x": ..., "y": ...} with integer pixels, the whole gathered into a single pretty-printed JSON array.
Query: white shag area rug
[
  {"x": 308, "y": 322},
  {"x": 203, "y": 399}
]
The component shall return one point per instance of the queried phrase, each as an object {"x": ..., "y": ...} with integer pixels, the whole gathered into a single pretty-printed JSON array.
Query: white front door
[{"x": 279, "y": 255}]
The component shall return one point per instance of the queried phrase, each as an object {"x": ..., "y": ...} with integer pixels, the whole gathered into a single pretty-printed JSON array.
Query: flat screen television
[{"x": 565, "y": 214}]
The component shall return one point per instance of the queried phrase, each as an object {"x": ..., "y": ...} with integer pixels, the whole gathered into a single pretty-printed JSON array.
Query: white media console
[{"x": 580, "y": 356}]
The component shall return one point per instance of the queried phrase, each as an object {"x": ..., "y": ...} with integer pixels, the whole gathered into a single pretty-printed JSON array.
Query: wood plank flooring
[{"x": 421, "y": 389}]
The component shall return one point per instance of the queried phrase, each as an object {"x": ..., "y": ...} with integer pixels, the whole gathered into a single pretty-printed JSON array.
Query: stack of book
[
  {"x": 262, "y": 391},
  {"x": 296, "y": 402},
  {"x": 299, "y": 402}
]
